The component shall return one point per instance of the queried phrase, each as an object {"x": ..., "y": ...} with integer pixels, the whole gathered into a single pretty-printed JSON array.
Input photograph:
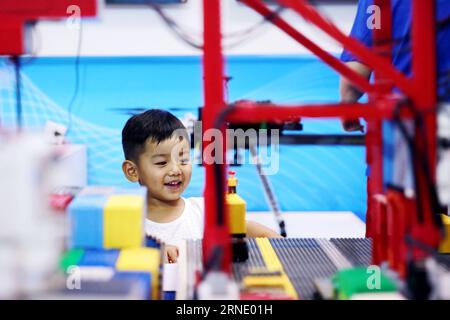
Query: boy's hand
[
  {"x": 170, "y": 254},
  {"x": 257, "y": 230},
  {"x": 352, "y": 125}
]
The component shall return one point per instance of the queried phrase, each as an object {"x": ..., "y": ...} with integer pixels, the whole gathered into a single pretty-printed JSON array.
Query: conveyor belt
[
  {"x": 255, "y": 260},
  {"x": 254, "y": 255},
  {"x": 304, "y": 260},
  {"x": 357, "y": 251}
]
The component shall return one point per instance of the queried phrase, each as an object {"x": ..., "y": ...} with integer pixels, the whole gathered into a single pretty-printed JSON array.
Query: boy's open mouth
[{"x": 173, "y": 184}]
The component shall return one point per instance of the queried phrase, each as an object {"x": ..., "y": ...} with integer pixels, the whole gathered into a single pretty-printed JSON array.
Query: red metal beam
[
  {"x": 356, "y": 79},
  {"x": 251, "y": 112},
  {"x": 216, "y": 235}
]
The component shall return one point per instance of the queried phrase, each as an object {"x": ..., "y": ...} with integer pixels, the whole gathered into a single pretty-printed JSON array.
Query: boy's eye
[
  {"x": 161, "y": 163},
  {"x": 184, "y": 161}
]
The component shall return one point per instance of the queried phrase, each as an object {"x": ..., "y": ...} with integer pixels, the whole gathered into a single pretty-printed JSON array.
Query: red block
[
  {"x": 60, "y": 202},
  {"x": 379, "y": 227}
]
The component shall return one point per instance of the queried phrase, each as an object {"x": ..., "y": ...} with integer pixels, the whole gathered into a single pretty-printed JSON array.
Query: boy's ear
[{"x": 130, "y": 171}]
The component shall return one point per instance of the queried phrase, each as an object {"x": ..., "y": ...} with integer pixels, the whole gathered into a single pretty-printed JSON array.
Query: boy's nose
[{"x": 175, "y": 170}]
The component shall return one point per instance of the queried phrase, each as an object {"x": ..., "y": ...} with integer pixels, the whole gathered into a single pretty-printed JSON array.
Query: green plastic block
[
  {"x": 348, "y": 282},
  {"x": 70, "y": 258}
]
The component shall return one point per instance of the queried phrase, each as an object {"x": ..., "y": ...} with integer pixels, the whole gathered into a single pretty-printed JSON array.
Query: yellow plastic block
[
  {"x": 273, "y": 264},
  {"x": 262, "y": 277},
  {"x": 141, "y": 260},
  {"x": 445, "y": 243},
  {"x": 236, "y": 211},
  {"x": 279, "y": 284},
  {"x": 123, "y": 222},
  {"x": 263, "y": 281}
]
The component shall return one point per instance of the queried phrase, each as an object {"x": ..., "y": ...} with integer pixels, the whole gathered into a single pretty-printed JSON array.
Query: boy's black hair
[{"x": 155, "y": 124}]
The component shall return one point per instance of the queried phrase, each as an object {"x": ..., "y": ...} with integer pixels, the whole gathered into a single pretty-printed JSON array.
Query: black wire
[
  {"x": 36, "y": 45},
  {"x": 265, "y": 19},
  {"x": 16, "y": 63},
  {"x": 175, "y": 28},
  {"x": 272, "y": 202},
  {"x": 246, "y": 33},
  {"x": 77, "y": 79},
  {"x": 419, "y": 162},
  {"x": 186, "y": 38}
]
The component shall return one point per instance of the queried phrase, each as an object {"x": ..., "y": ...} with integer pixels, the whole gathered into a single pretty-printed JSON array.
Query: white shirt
[{"x": 188, "y": 226}]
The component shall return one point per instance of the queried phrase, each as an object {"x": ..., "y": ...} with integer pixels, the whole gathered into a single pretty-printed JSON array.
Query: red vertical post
[
  {"x": 382, "y": 36},
  {"x": 424, "y": 71},
  {"x": 216, "y": 234}
]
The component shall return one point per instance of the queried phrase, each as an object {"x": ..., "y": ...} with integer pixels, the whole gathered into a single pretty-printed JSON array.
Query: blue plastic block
[
  {"x": 152, "y": 243},
  {"x": 86, "y": 221},
  {"x": 169, "y": 295},
  {"x": 102, "y": 258},
  {"x": 144, "y": 278}
]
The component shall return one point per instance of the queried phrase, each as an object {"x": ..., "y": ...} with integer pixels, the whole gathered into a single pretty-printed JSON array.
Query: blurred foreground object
[
  {"x": 443, "y": 168},
  {"x": 31, "y": 238}
]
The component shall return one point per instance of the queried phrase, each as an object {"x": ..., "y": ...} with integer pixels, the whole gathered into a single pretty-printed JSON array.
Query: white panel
[{"x": 139, "y": 31}]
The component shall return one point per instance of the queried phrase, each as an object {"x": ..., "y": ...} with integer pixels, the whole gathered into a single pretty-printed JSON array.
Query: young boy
[{"x": 157, "y": 156}]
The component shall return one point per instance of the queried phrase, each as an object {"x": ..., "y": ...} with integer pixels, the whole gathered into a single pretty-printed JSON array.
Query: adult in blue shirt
[
  {"x": 395, "y": 148},
  {"x": 401, "y": 26}
]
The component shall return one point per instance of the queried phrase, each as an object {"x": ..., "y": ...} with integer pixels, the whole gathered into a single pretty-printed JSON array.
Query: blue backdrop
[{"x": 310, "y": 177}]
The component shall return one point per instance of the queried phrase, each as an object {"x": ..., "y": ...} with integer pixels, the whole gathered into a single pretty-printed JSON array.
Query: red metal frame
[
  {"x": 250, "y": 112},
  {"x": 420, "y": 89}
]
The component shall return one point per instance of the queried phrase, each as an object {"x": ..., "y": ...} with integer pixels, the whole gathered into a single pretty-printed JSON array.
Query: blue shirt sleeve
[{"x": 360, "y": 30}]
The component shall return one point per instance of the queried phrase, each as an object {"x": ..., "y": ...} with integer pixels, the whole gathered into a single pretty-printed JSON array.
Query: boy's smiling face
[{"x": 165, "y": 168}]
